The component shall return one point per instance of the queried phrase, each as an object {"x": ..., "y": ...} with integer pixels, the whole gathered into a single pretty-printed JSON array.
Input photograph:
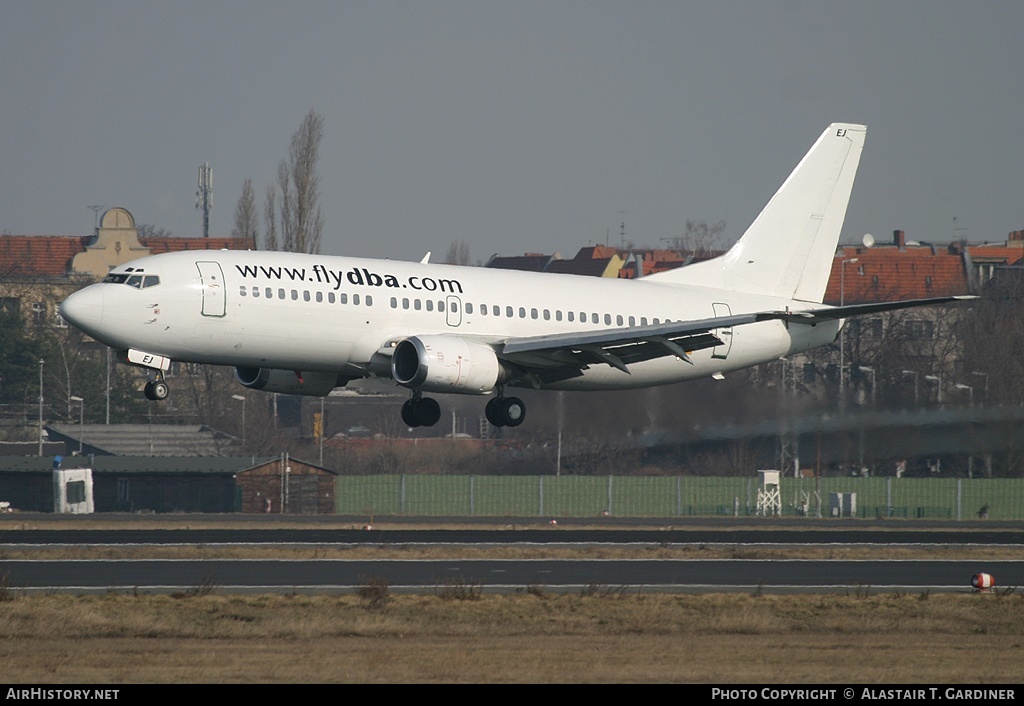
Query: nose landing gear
[{"x": 157, "y": 390}]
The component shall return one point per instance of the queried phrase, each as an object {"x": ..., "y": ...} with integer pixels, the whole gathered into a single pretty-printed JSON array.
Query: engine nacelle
[
  {"x": 288, "y": 381},
  {"x": 446, "y": 364}
]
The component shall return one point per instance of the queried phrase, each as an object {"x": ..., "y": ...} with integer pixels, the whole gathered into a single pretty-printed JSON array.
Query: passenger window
[
  {"x": 643, "y": 320},
  {"x": 405, "y": 303},
  {"x": 594, "y": 318},
  {"x": 256, "y": 292},
  {"x": 295, "y": 295},
  {"x": 607, "y": 319},
  {"x": 269, "y": 292},
  {"x": 508, "y": 312},
  {"x": 355, "y": 299},
  {"x": 547, "y": 315},
  {"x": 394, "y": 303},
  {"x": 330, "y": 298},
  {"x": 469, "y": 308},
  {"x": 571, "y": 315},
  {"x": 618, "y": 320},
  {"x": 533, "y": 313},
  {"x": 522, "y": 312},
  {"x": 242, "y": 291},
  {"x": 305, "y": 295},
  {"x": 319, "y": 297},
  {"x": 496, "y": 310},
  {"x": 430, "y": 305},
  {"x": 416, "y": 304},
  {"x": 369, "y": 300},
  {"x": 343, "y": 298},
  {"x": 558, "y": 314}
]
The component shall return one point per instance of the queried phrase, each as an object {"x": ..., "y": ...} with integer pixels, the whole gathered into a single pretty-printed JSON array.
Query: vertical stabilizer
[{"x": 788, "y": 249}]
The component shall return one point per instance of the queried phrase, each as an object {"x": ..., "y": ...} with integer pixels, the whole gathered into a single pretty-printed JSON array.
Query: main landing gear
[
  {"x": 505, "y": 411},
  {"x": 157, "y": 390},
  {"x": 421, "y": 411},
  {"x": 501, "y": 411}
]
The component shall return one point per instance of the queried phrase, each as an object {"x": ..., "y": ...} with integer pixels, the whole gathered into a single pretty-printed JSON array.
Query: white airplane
[{"x": 305, "y": 324}]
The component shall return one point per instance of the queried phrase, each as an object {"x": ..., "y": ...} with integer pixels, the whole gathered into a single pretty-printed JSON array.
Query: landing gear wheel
[
  {"x": 493, "y": 412},
  {"x": 428, "y": 411},
  {"x": 512, "y": 411},
  {"x": 157, "y": 390},
  {"x": 421, "y": 412},
  {"x": 409, "y": 415}
]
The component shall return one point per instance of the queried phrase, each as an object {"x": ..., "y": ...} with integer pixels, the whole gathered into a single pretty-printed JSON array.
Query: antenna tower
[{"x": 204, "y": 196}]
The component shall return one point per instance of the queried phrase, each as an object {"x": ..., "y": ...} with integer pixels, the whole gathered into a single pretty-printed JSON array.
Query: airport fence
[{"x": 676, "y": 496}]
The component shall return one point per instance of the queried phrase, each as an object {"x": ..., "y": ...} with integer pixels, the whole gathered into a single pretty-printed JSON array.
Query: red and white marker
[{"x": 983, "y": 582}]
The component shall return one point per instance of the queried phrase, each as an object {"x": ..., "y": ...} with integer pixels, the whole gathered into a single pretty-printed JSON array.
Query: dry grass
[
  {"x": 377, "y": 551},
  {"x": 605, "y": 636}
]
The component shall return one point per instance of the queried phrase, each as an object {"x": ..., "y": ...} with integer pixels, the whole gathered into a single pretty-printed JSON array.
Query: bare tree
[
  {"x": 299, "y": 183},
  {"x": 270, "y": 220},
  {"x": 245, "y": 214},
  {"x": 458, "y": 253},
  {"x": 701, "y": 239},
  {"x": 148, "y": 230}
]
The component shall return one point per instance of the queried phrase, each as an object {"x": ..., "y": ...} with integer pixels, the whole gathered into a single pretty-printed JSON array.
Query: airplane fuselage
[{"x": 318, "y": 313}]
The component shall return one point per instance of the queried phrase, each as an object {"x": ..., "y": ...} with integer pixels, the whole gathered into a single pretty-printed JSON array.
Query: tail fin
[{"x": 788, "y": 250}]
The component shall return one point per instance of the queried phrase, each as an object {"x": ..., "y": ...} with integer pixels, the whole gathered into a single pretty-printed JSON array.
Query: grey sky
[{"x": 515, "y": 126}]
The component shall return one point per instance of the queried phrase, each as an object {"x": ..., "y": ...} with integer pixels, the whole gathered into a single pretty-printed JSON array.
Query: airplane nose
[{"x": 84, "y": 309}]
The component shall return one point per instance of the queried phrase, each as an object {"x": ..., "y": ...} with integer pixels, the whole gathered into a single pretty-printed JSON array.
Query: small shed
[{"x": 286, "y": 485}]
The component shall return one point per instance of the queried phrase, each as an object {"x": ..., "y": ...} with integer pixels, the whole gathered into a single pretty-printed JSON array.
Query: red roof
[
  {"x": 51, "y": 255},
  {"x": 39, "y": 255},
  {"x": 893, "y": 274}
]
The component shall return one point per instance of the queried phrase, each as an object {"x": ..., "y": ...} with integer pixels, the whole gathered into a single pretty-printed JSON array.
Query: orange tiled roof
[
  {"x": 161, "y": 245},
  {"x": 893, "y": 274},
  {"x": 51, "y": 255},
  {"x": 39, "y": 255}
]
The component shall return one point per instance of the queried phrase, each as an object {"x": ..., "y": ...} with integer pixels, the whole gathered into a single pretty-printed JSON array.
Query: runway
[
  {"x": 339, "y": 575},
  {"x": 506, "y": 575}
]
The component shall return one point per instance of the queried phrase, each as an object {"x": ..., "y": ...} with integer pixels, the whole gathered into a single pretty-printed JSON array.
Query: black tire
[
  {"x": 428, "y": 411},
  {"x": 513, "y": 411},
  {"x": 156, "y": 390},
  {"x": 493, "y": 412},
  {"x": 409, "y": 415}
]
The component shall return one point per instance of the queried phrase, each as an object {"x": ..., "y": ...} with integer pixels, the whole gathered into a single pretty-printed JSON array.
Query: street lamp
[
  {"x": 969, "y": 389},
  {"x": 242, "y": 398},
  {"x": 914, "y": 373},
  {"x": 41, "y": 361},
  {"x": 81, "y": 419},
  {"x": 842, "y": 332},
  {"x": 937, "y": 379},
  {"x": 867, "y": 369},
  {"x": 984, "y": 375}
]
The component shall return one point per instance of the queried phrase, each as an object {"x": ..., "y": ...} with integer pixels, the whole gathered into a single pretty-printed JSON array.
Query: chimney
[
  {"x": 1016, "y": 239},
  {"x": 899, "y": 239}
]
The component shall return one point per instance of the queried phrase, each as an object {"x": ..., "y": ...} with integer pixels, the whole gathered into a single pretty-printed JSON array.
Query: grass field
[{"x": 460, "y": 635}]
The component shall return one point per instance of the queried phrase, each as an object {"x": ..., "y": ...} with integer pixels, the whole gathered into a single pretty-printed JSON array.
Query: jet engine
[
  {"x": 446, "y": 364},
  {"x": 290, "y": 382}
]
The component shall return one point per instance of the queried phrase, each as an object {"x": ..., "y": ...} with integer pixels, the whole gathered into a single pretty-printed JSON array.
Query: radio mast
[{"x": 204, "y": 196}]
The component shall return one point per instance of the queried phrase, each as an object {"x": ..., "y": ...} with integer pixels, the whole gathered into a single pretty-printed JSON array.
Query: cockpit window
[{"x": 137, "y": 280}]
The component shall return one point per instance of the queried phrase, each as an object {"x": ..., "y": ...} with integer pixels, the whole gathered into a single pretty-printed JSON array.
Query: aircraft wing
[
  {"x": 810, "y": 316},
  {"x": 565, "y": 355}
]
